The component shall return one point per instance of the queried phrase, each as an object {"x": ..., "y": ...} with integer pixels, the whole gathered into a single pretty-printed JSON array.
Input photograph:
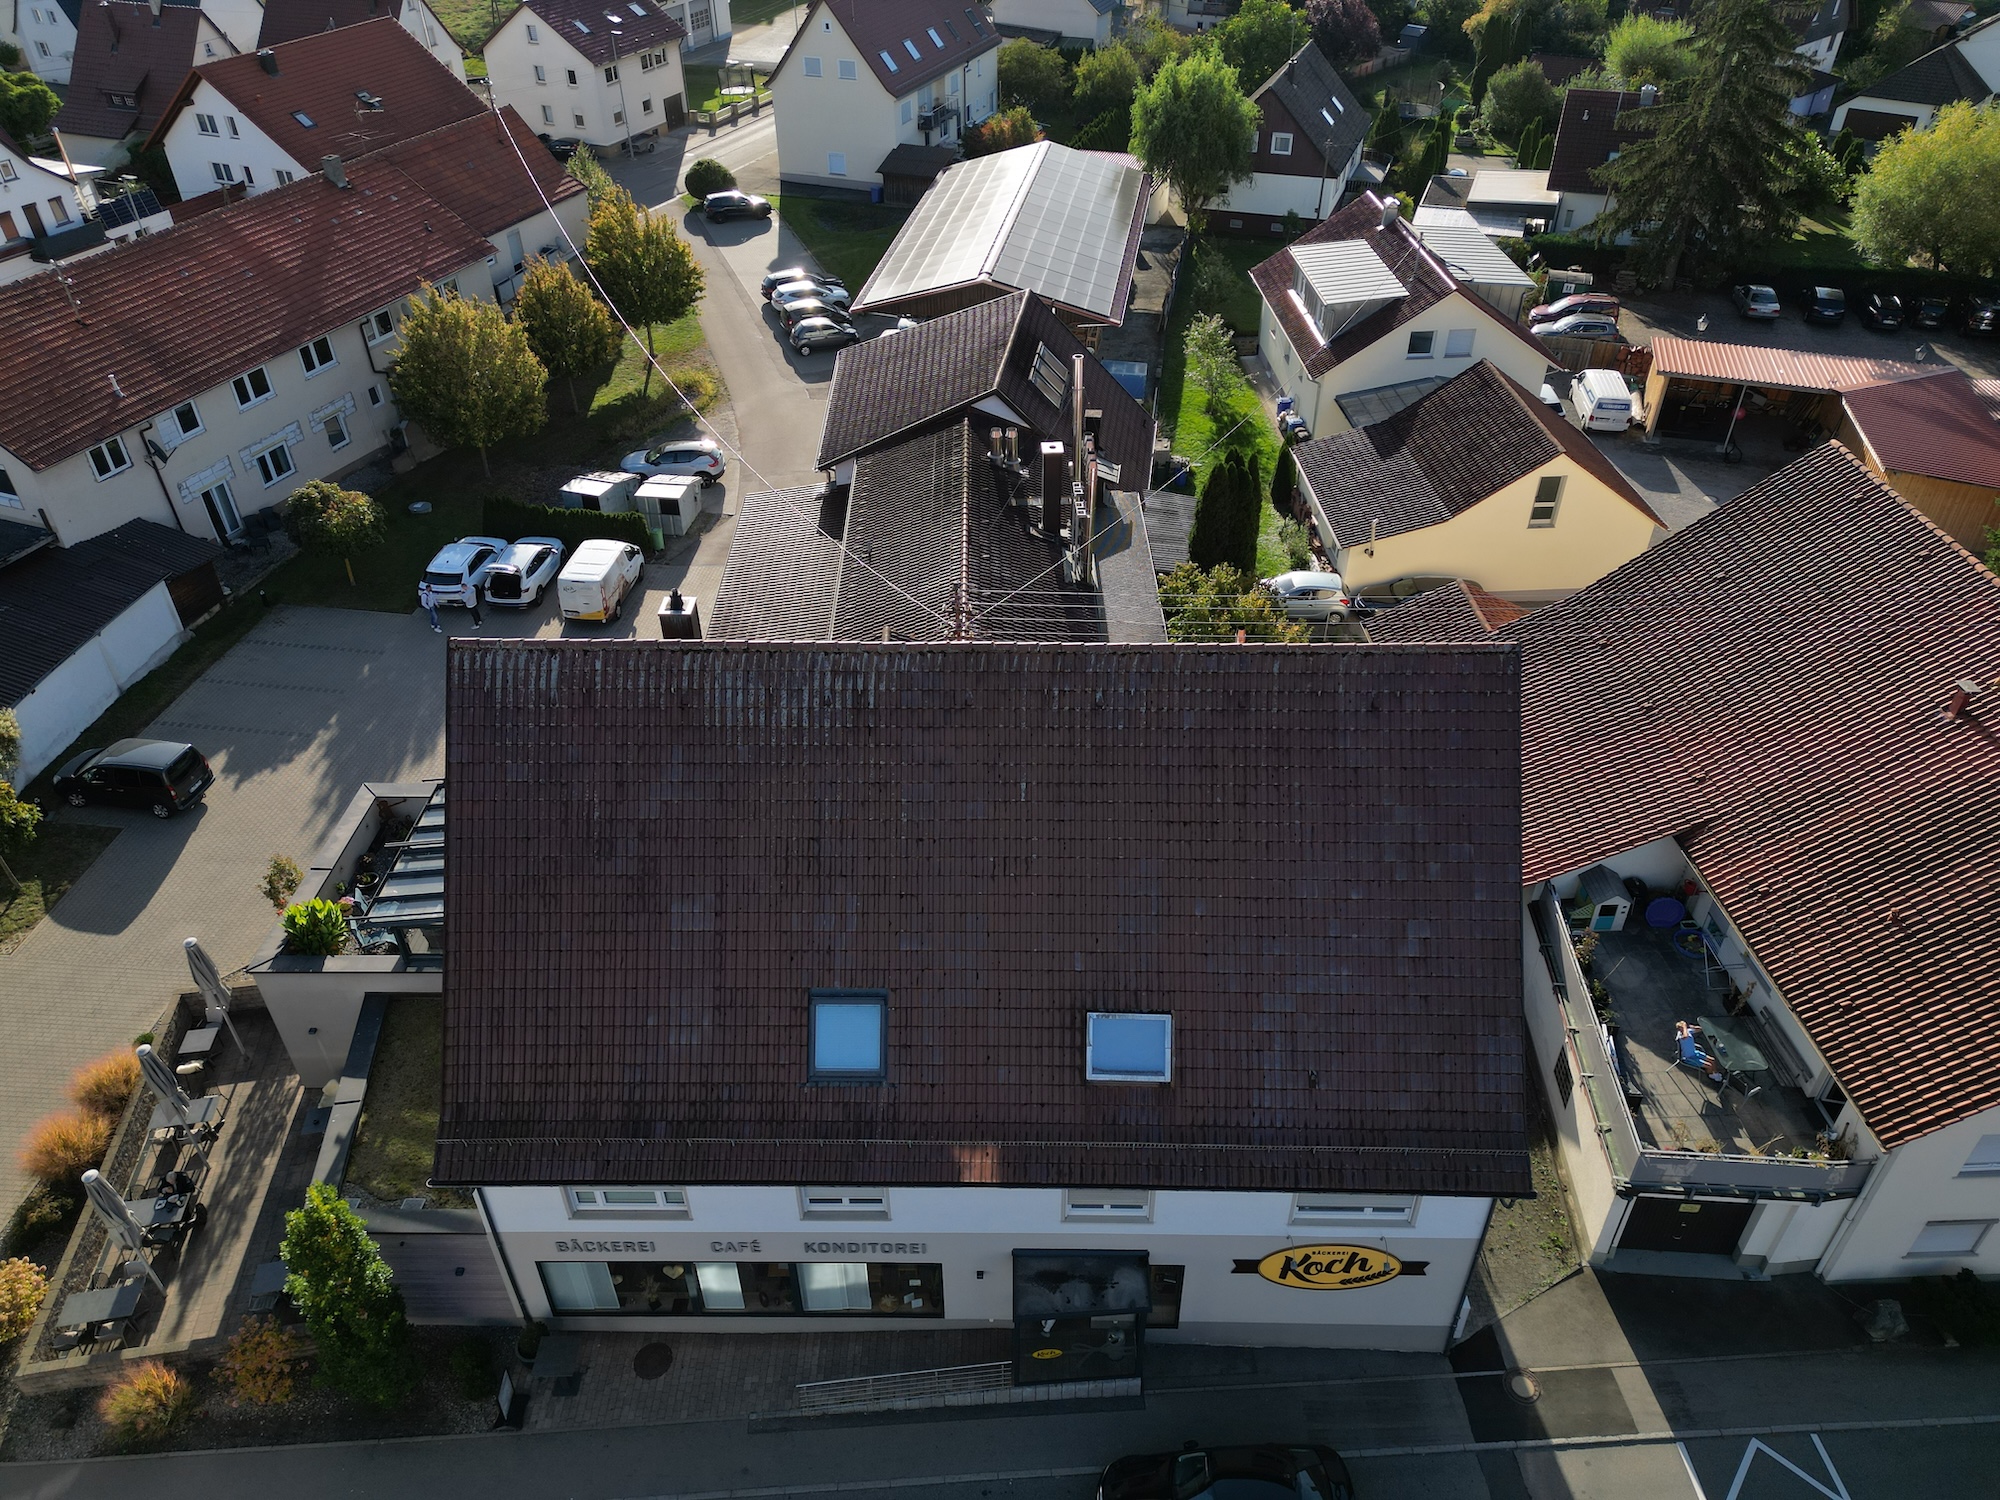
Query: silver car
[
  {"x": 1310, "y": 596},
  {"x": 516, "y": 578},
  {"x": 801, "y": 291},
  {"x": 698, "y": 456}
]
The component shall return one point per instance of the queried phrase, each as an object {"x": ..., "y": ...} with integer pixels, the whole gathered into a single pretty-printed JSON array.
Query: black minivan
[{"x": 162, "y": 776}]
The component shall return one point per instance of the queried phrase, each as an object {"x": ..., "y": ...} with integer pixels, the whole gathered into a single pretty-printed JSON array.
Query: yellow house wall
[{"x": 1963, "y": 510}]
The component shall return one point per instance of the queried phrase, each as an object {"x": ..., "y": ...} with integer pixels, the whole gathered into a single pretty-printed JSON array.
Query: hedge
[{"x": 510, "y": 518}]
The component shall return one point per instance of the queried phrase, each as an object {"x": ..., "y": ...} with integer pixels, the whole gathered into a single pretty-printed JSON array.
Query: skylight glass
[
  {"x": 948, "y": 26},
  {"x": 1338, "y": 107},
  {"x": 303, "y": 118},
  {"x": 1050, "y": 376},
  {"x": 1130, "y": 1048},
  {"x": 890, "y": 61},
  {"x": 848, "y": 1028},
  {"x": 911, "y": 48},
  {"x": 637, "y": 9},
  {"x": 580, "y": 26},
  {"x": 1326, "y": 117},
  {"x": 936, "y": 40}
]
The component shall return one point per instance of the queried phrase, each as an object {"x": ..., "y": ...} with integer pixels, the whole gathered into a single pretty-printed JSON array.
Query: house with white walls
[
  {"x": 47, "y": 32},
  {"x": 863, "y": 77},
  {"x": 131, "y": 56},
  {"x": 1307, "y": 146},
  {"x": 1963, "y": 69},
  {"x": 597, "y": 71},
  {"x": 291, "y": 20},
  {"x": 1072, "y": 23}
]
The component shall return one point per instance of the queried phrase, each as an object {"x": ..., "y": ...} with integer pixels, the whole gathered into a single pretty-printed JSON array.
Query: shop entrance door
[
  {"x": 1079, "y": 1314},
  {"x": 1690, "y": 1226}
]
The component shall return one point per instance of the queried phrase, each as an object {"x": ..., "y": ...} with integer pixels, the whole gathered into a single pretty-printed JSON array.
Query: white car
[
  {"x": 1311, "y": 596},
  {"x": 801, "y": 291},
  {"x": 458, "y": 572},
  {"x": 701, "y": 457},
  {"x": 1579, "y": 326},
  {"x": 515, "y": 579}
]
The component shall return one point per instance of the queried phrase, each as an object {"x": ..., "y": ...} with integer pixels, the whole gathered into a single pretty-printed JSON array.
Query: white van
[
  {"x": 1603, "y": 400},
  {"x": 594, "y": 582}
]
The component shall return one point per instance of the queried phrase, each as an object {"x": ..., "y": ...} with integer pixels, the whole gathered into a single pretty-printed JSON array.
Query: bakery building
[{"x": 983, "y": 986}]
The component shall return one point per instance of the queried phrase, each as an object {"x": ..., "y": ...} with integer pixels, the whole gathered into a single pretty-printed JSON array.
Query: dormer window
[
  {"x": 1129, "y": 1048},
  {"x": 849, "y": 1036}
]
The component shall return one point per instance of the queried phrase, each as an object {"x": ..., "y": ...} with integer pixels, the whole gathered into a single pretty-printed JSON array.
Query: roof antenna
[{"x": 62, "y": 280}]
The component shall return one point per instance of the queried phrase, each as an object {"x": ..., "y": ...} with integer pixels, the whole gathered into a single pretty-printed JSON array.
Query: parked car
[
  {"x": 815, "y": 334},
  {"x": 701, "y": 457},
  {"x": 1759, "y": 303},
  {"x": 561, "y": 147},
  {"x": 517, "y": 576},
  {"x": 162, "y": 776},
  {"x": 800, "y": 291},
  {"x": 735, "y": 205},
  {"x": 1603, "y": 400},
  {"x": 594, "y": 582},
  {"x": 1882, "y": 311},
  {"x": 1293, "y": 426},
  {"x": 457, "y": 573},
  {"x": 1826, "y": 304},
  {"x": 1979, "y": 312},
  {"x": 1579, "y": 326},
  {"x": 901, "y": 325},
  {"x": 1380, "y": 596},
  {"x": 1927, "y": 312},
  {"x": 797, "y": 311},
  {"x": 775, "y": 279},
  {"x": 1602, "y": 303},
  {"x": 1269, "y": 1471},
  {"x": 1310, "y": 596}
]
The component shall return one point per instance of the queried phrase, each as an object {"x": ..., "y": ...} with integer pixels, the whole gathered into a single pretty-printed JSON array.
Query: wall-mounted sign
[{"x": 1328, "y": 1268}]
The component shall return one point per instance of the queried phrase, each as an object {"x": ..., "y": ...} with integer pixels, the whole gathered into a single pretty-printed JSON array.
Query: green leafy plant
[
  {"x": 27, "y": 105},
  {"x": 23, "y": 1285},
  {"x": 466, "y": 375},
  {"x": 281, "y": 879},
  {"x": 707, "y": 176},
  {"x": 645, "y": 269},
  {"x": 1284, "y": 484},
  {"x": 589, "y": 171},
  {"x": 105, "y": 1085},
  {"x": 1033, "y": 75},
  {"x": 570, "y": 331},
  {"x": 1212, "y": 604},
  {"x": 323, "y": 517},
  {"x": 1211, "y": 362},
  {"x": 261, "y": 1365},
  {"x": 1106, "y": 79},
  {"x": 1297, "y": 542},
  {"x": 1110, "y": 131},
  {"x": 1260, "y": 38},
  {"x": 351, "y": 1306},
  {"x": 1929, "y": 194},
  {"x": 315, "y": 927},
  {"x": 1192, "y": 126},
  {"x": 1002, "y": 132},
  {"x": 147, "y": 1404},
  {"x": 59, "y": 1148}
]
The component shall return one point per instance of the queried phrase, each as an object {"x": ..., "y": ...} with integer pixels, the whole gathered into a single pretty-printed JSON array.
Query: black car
[
  {"x": 561, "y": 147},
  {"x": 1927, "y": 312},
  {"x": 162, "y": 776},
  {"x": 1882, "y": 311},
  {"x": 813, "y": 334},
  {"x": 1826, "y": 304},
  {"x": 1979, "y": 312},
  {"x": 735, "y": 205},
  {"x": 1270, "y": 1471}
]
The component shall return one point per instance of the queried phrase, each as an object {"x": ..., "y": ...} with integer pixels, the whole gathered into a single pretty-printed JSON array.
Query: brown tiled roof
[
  {"x": 1454, "y": 613},
  {"x": 1400, "y": 249},
  {"x": 1559, "y": 67},
  {"x": 123, "y": 48},
  {"x": 1734, "y": 687},
  {"x": 879, "y": 26},
  {"x": 1321, "y": 105},
  {"x": 1004, "y": 838},
  {"x": 472, "y": 170},
  {"x": 288, "y": 20},
  {"x": 1441, "y": 455},
  {"x": 320, "y": 75},
  {"x": 1942, "y": 426},
  {"x": 286, "y": 265},
  {"x": 587, "y": 24},
  {"x": 1587, "y": 136}
]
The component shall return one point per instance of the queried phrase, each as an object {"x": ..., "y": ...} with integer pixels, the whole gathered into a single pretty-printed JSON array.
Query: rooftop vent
[
  {"x": 1647, "y": 95},
  {"x": 1392, "y": 210},
  {"x": 268, "y": 61},
  {"x": 1125, "y": 1048},
  {"x": 367, "y": 100}
]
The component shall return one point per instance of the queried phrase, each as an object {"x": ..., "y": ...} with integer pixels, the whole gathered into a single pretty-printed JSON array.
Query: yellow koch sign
[{"x": 1330, "y": 1268}]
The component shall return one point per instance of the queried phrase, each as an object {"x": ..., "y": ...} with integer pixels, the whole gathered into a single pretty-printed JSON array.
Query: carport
[{"x": 1729, "y": 393}]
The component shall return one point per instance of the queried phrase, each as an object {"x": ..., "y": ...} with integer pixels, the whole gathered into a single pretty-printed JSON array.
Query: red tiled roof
[
  {"x": 1778, "y": 369},
  {"x": 1739, "y": 687},
  {"x": 471, "y": 169},
  {"x": 1493, "y": 611},
  {"x": 1400, "y": 249},
  {"x": 586, "y": 25},
  {"x": 1451, "y": 614},
  {"x": 1004, "y": 838},
  {"x": 879, "y": 26},
  {"x": 288, "y": 20},
  {"x": 1587, "y": 136},
  {"x": 1943, "y": 426},
  {"x": 171, "y": 315},
  {"x": 123, "y": 48},
  {"x": 319, "y": 76}
]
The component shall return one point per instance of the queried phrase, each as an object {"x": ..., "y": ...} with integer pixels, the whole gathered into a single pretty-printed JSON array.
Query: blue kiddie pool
[{"x": 1664, "y": 911}]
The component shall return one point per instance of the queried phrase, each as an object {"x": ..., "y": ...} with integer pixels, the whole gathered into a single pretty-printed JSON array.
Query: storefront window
[{"x": 673, "y": 1288}]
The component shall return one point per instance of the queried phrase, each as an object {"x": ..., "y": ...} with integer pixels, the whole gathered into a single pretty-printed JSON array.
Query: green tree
[
  {"x": 1228, "y": 515},
  {"x": 708, "y": 176},
  {"x": 352, "y": 1308},
  {"x": 1346, "y": 30},
  {"x": 323, "y": 517},
  {"x": 1518, "y": 96},
  {"x": 1210, "y": 354},
  {"x": 1261, "y": 38},
  {"x": 1644, "y": 49},
  {"x": 1212, "y": 604},
  {"x": 1003, "y": 132},
  {"x": 1447, "y": 20},
  {"x": 589, "y": 171},
  {"x": 1284, "y": 483},
  {"x": 1106, "y": 79},
  {"x": 568, "y": 328},
  {"x": 1501, "y": 33},
  {"x": 466, "y": 374},
  {"x": 1033, "y": 75},
  {"x": 1192, "y": 126},
  {"x": 1155, "y": 43},
  {"x": 642, "y": 265},
  {"x": 1706, "y": 175},
  {"x": 18, "y": 819},
  {"x": 26, "y": 105},
  {"x": 1934, "y": 195}
]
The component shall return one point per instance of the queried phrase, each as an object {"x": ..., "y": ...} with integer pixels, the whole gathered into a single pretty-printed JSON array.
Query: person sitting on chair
[{"x": 1694, "y": 1054}]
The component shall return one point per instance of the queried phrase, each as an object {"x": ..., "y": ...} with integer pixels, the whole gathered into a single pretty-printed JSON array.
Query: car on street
[
  {"x": 701, "y": 457},
  {"x": 815, "y": 334},
  {"x": 797, "y": 311},
  {"x": 458, "y": 572},
  {"x": 517, "y": 577},
  {"x": 561, "y": 147},
  {"x": 1265, "y": 1471},
  {"x": 1927, "y": 312},
  {"x": 788, "y": 274},
  {"x": 162, "y": 776},
  {"x": 735, "y": 205},
  {"x": 1579, "y": 326},
  {"x": 1882, "y": 311},
  {"x": 1305, "y": 595},
  {"x": 1826, "y": 304},
  {"x": 1758, "y": 303},
  {"x": 800, "y": 291},
  {"x": 1601, "y": 303},
  {"x": 1979, "y": 312}
]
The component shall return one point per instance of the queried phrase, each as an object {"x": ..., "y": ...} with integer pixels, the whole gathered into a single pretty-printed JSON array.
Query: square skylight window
[
  {"x": 1127, "y": 1048},
  {"x": 303, "y": 118},
  {"x": 849, "y": 1035}
]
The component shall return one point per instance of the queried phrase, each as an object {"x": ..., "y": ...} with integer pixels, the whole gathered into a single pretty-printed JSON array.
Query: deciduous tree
[
  {"x": 351, "y": 1306},
  {"x": 708, "y": 176},
  {"x": 568, "y": 328},
  {"x": 323, "y": 517},
  {"x": 466, "y": 374},
  {"x": 1003, "y": 132},
  {"x": 1519, "y": 95},
  {"x": 26, "y": 105},
  {"x": 1212, "y": 604},
  {"x": 1644, "y": 49},
  {"x": 1934, "y": 195},
  {"x": 1211, "y": 364},
  {"x": 1033, "y": 75},
  {"x": 1192, "y": 126},
  {"x": 1346, "y": 30},
  {"x": 642, "y": 265},
  {"x": 1261, "y": 38},
  {"x": 1107, "y": 79}
]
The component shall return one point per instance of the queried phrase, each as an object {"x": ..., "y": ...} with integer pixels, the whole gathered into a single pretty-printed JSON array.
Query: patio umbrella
[
  {"x": 118, "y": 1219},
  {"x": 208, "y": 979},
  {"x": 160, "y": 1079}
]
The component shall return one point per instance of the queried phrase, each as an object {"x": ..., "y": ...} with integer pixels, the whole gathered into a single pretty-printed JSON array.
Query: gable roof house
[
  {"x": 1308, "y": 145},
  {"x": 1361, "y": 306},
  {"x": 1050, "y": 1023},
  {"x": 597, "y": 71},
  {"x": 1475, "y": 479},
  {"x": 293, "y": 20},
  {"x": 1088, "y": 23},
  {"x": 1965, "y": 69},
  {"x": 928, "y": 529},
  {"x": 38, "y": 202},
  {"x": 130, "y": 59},
  {"x": 133, "y": 398},
  {"x": 47, "y": 29},
  {"x": 1935, "y": 441},
  {"x": 864, "y": 77},
  {"x": 1596, "y": 125}
]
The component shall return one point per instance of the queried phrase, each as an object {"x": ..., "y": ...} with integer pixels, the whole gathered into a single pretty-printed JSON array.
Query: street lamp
[{"x": 618, "y": 73}]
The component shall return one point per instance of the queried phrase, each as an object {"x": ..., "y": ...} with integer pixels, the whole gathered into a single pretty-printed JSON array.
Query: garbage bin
[{"x": 875, "y": 192}]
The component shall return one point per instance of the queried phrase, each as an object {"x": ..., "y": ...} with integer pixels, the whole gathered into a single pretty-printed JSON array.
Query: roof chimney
[
  {"x": 268, "y": 61},
  {"x": 331, "y": 169},
  {"x": 1392, "y": 210},
  {"x": 1055, "y": 487},
  {"x": 1964, "y": 693},
  {"x": 1648, "y": 94},
  {"x": 156, "y": 12}
]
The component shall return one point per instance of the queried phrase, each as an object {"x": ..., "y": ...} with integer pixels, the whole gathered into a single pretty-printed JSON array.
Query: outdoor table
[
  {"x": 205, "y": 1110},
  {"x": 266, "y": 1285},
  {"x": 1735, "y": 1051},
  {"x": 109, "y": 1304},
  {"x": 153, "y": 1213},
  {"x": 198, "y": 1043}
]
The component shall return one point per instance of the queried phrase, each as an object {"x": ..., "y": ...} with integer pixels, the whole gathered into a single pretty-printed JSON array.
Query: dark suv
[
  {"x": 159, "y": 775},
  {"x": 735, "y": 205}
]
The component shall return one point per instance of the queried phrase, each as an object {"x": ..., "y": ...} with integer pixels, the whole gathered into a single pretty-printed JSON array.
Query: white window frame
[
  {"x": 337, "y": 434},
  {"x": 205, "y": 124},
  {"x": 243, "y": 383},
  {"x": 222, "y": 171},
  {"x": 577, "y": 116},
  {"x": 374, "y": 395},
  {"x": 600, "y": 1202},
  {"x": 59, "y": 210},
  {"x": 313, "y": 360},
  {"x": 909, "y": 111},
  {"x": 110, "y": 458},
  {"x": 611, "y": 73},
  {"x": 1983, "y": 1160},
  {"x": 283, "y": 176},
  {"x": 379, "y": 325},
  {"x": 1978, "y": 1230},
  {"x": 1281, "y": 143},
  {"x": 810, "y": 67},
  {"x": 1429, "y": 347},
  {"x": 1542, "y": 513},
  {"x": 269, "y": 475},
  {"x": 7, "y": 172},
  {"x": 181, "y": 427},
  {"x": 9, "y": 495},
  {"x": 848, "y": 70},
  {"x": 541, "y": 74},
  {"x": 1353, "y": 1208},
  {"x": 534, "y": 35},
  {"x": 836, "y": 163},
  {"x": 843, "y": 1203},
  {"x": 617, "y": 117},
  {"x": 1458, "y": 343},
  {"x": 548, "y": 115},
  {"x": 1127, "y": 1205},
  {"x": 645, "y": 106},
  {"x": 1106, "y": 1074},
  {"x": 229, "y": 124},
  {"x": 570, "y": 73}
]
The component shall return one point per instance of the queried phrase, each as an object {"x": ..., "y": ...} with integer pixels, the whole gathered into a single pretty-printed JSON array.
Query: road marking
[
  {"x": 1838, "y": 1492},
  {"x": 1694, "y": 1479},
  {"x": 870, "y": 1486}
]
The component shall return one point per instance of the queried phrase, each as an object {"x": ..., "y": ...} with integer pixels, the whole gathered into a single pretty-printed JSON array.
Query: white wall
[
  {"x": 1077, "y": 20},
  {"x": 422, "y": 23},
  {"x": 1915, "y": 1184},
  {"x": 69, "y": 699},
  {"x": 511, "y": 60},
  {"x": 48, "y": 40},
  {"x": 1790, "y": 1237},
  {"x": 1919, "y": 115},
  {"x": 250, "y": 155},
  {"x": 29, "y": 184}
]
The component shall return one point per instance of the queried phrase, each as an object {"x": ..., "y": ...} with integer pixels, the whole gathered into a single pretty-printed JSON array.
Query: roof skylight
[
  {"x": 911, "y": 48},
  {"x": 303, "y": 118},
  {"x": 936, "y": 40},
  {"x": 953, "y": 30},
  {"x": 1049, "y": 375},
  {"x": 890, "y": 61},
  {"x": 973, "y": 16},
  {"x": 849, "y": 1034},
  {"x": 580, "y": 26},
  {"x": 1130, "y": 1048}
]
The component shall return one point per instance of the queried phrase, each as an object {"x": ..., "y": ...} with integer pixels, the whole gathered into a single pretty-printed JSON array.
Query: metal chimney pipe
[
  {"x": 268, "y": 61},
  {"x": 1055, "y": 487},
  {"x": 1013, "y": 445},
  {"x": 993, "y": 443}
]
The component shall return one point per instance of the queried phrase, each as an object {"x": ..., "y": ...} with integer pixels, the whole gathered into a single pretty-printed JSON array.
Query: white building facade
[
  {"x": 581, "y": 76},
  {"x": 48, "y": 39}
]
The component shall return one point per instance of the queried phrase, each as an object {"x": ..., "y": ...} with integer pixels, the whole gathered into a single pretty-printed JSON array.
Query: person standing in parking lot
[{"x": 427, "y": 600}]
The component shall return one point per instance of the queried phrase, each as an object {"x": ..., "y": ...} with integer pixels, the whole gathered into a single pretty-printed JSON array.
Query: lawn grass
[
  {"x": 1272, "y": 559},
  {"x": 396, "y": 1137},
  {"x": 704, "y": 85},
  {"x": 1825, "y": 244},
  {"x": 1183, "y": 411},
  {"x": 471, "y": 22},
  {"x": 847, "y": 239},
  {"x": 47, "y": 868}
]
